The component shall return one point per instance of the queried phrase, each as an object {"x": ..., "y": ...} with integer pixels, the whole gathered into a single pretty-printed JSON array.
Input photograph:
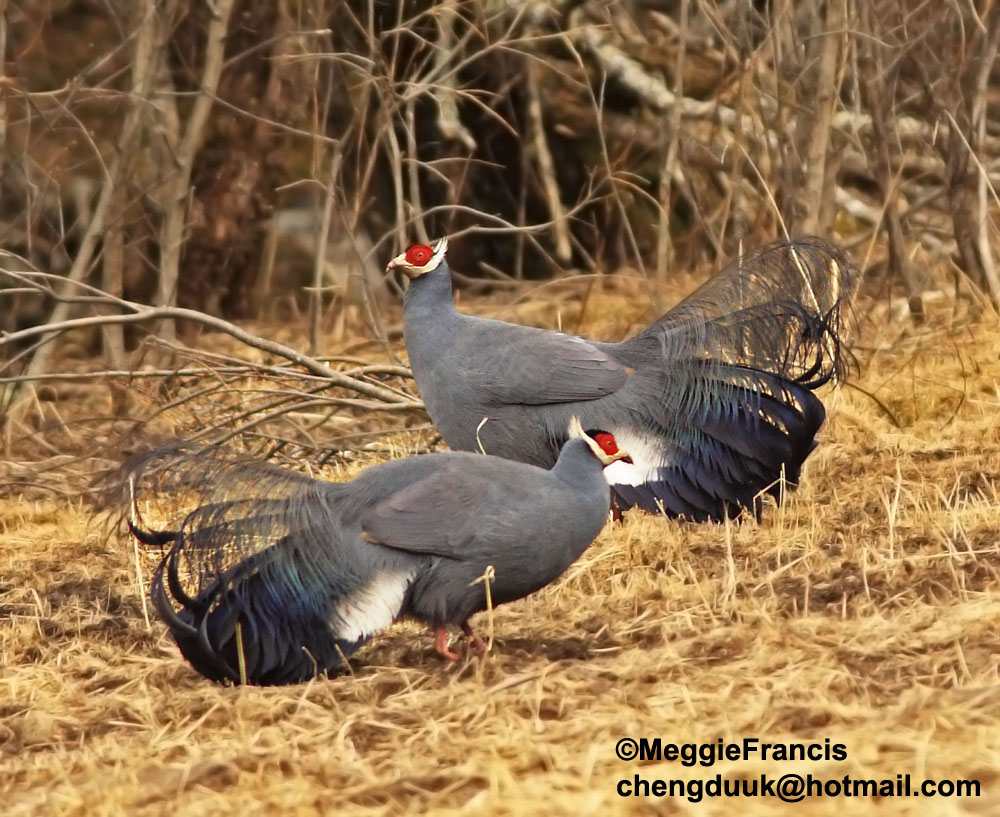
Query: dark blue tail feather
[
  {"x": 736, "y": 452},
  {"x": 251, "y": 624}
]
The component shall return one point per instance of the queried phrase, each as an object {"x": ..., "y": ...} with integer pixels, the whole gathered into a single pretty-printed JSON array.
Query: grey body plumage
[
  {"x": 714, "y": 401},
  {"x": 275, "y": 576}
]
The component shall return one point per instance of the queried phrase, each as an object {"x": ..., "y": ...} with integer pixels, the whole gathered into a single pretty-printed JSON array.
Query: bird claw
[
  {"x": 441, "y": 642},
  {"x": 441, "y": 645},
  {"x": 478, "y": 644}
]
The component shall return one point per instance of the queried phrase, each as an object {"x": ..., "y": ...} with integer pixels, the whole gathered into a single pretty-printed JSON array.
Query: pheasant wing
[
  {"x": 445, "y": 511},
  {"x": 714, "y": 448},
  {"x": 535, "y": 367}
]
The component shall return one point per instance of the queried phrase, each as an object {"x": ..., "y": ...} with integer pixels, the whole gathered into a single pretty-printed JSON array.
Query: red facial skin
[
  {"x": 418, "y": 255},
  {"x": 608, "y": 444}
]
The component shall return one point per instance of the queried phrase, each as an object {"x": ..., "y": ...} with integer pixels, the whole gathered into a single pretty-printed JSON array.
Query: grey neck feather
[
  {"x": 577, "y": 463},
  {"x": 430, "y": 293}
]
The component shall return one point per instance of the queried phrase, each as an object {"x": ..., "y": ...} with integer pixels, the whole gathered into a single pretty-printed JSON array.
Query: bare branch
[
  {"x": 991, "y": 43},
  {"x": 817, "y": 128},
  {"x": 316, "y": 296},
  {"x": 449, "y": 122},
  {"x": 664, "y": 244},
  {"x": 178, "y": 188},
  {"x": 140, "y": 313},
  {"x": 546, "y": 167}
]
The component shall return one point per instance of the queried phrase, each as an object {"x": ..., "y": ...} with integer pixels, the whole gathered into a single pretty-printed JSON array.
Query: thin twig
[
  {"x": 320, "y": 262},
  {"x": 664, "y": 244}
]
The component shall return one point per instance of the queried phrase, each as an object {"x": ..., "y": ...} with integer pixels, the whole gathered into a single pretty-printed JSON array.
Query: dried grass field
[{"x": 865, "y": 611}]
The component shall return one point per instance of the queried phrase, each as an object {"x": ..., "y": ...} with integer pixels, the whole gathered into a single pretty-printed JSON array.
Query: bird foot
[
  {"x": 441, "y": 645},
  {"x": 478, "y": 644}
]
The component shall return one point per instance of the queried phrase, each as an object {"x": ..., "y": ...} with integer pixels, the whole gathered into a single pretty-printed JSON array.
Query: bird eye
[{"x": 418, "y": 255}]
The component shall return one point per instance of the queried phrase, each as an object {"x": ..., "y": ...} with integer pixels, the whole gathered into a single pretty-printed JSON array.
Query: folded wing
[
  {"x": 528, "y": 367},
  {"x": 442, "y": 513}
]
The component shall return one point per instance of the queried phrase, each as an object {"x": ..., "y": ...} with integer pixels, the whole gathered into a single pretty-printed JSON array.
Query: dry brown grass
[{"x": 865, "y": 611}]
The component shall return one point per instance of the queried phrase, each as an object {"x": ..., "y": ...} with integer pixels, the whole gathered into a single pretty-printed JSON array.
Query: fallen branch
[{"x": 141, "y": 313}]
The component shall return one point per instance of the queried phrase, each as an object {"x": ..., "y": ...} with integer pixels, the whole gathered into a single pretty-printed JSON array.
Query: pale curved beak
[
  {"x": 398, "y": 261},
  {"x": 607, "y": 459}
]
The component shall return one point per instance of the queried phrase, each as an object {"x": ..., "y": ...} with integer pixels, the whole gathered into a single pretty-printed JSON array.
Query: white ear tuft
[
  {"x": 575, "y": 428},
  {"x": 438, "y": 249}
]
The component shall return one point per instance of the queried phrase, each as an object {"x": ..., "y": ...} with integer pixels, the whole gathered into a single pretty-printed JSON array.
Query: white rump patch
[
  {"x": 373, "y": 607},
  {"x": 647, "y": 456}
]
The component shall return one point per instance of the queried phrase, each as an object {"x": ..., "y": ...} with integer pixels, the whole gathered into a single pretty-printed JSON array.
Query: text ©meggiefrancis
[{"x": 707, "y": 754}]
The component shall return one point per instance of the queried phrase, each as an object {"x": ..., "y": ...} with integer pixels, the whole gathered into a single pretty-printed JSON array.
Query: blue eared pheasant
[
  {"x": 714, "y": 401},
  {"x": 276, "y": 577}
]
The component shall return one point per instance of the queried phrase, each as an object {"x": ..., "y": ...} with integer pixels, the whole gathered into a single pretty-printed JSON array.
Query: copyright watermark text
[
  {"x": 708, "y": 754},
  {"x": 792, "y": 787}
]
